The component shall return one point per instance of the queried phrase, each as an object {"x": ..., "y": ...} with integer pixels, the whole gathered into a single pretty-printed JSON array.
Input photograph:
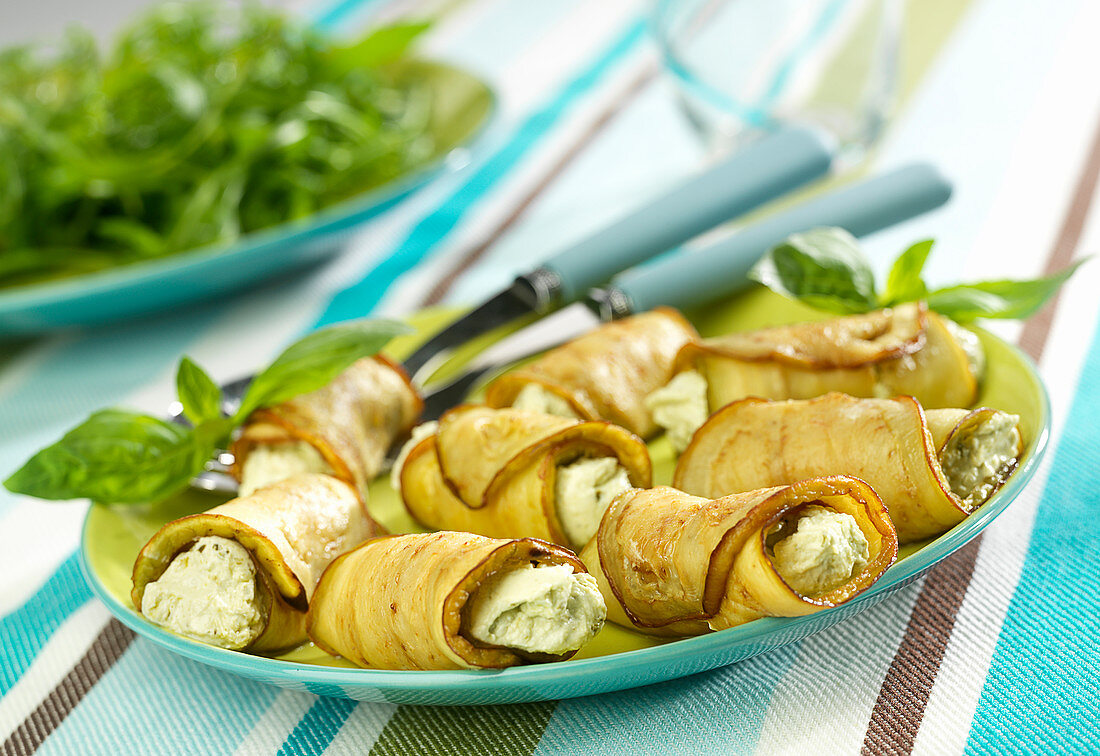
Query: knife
[
  {"x": 772, "y": 166},
  {"x": 697, "y": 276}
]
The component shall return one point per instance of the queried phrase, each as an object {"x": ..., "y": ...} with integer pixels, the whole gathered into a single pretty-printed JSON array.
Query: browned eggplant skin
[
  {"x": 492, "y": 471},
  {"x": 754, "y": 443},
  {"x": 282, "y": 528},
  {"x": 352, "y": 422},
  {"x": 398, "y": 602},
  {"x": 607, "y": 374},
  {"x": 670, "y": 563},
  {"x": 903, "y": 350}
]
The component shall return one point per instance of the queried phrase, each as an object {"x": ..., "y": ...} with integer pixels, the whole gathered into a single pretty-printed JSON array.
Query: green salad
[{"x": 201, "y": 123}]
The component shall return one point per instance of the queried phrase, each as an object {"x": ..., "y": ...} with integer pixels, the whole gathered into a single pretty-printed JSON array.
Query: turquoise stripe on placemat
[
  {"x": 318, "y": 727},
  {"x": 1042, "y": 686},
  {"x": 332, "y": 14},
  {"x": 725, "y": 706},
  {"x": 155, "y": 702},
  {"x": 359, "y": 299},
  {"x": 25, "y": 631}
]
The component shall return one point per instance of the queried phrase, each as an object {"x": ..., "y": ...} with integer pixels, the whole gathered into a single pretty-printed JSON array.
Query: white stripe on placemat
[
  {"x": 35, "y": 537},
  {"x": 272, "y": 728},
  {"x": 362, "y": 728},
  {"x": 825, "y": 699}
]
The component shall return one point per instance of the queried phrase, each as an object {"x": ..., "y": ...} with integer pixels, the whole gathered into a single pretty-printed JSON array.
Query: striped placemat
[{"x": 994, "y": 652}]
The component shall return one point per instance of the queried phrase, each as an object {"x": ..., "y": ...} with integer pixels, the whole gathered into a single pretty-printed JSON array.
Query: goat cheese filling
[
  {"x": 544, "y": 610},
  {"x": 977, "y": 462},
  {"x": 825, "y": 550},
  {"x": 535, "y": 398},
  {"x": 583, "y": 490},
  {"x": 419, "y": 433},
  {"x": 680, "y": 407},
  {"x": 971, "y": 346},
  {"x": 267, "y": 464},
  {"x": 208, "y": 593}
]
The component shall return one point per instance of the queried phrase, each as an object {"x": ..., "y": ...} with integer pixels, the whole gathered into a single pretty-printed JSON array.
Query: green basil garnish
[
  {"x": 826, "y": 269},
  {"x": 126, "y": 457}
]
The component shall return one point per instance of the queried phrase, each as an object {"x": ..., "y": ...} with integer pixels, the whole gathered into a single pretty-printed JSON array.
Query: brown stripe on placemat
[
  {"x": 903, "y": 697},
  {"x": 475, "y": 253},
  {"x": 1033, "y": 338},
  {"x": 105, "y": 650}
]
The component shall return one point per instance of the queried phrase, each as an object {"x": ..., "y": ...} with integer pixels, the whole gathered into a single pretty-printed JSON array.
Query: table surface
[{"x": 995, "y": 651}]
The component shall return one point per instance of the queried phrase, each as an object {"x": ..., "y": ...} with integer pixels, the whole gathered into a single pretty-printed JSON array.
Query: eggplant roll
[
  {"x": 669, "y": 563},
  {"x": 344, "y": 429},
  {"x": 932, "y": 468},
  {"x": 451, "y": 600},
  {"x": 604, "y": 375},
  {"x": 241, "y": 575},
  {"x": 904, "y": 350},
  {"x": 509, "y": 473}
]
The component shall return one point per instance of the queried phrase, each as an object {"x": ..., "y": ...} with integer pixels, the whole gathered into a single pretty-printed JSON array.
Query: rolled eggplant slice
[
  {"x": 604, "y": 375},
  {"x": 931, "y": 468},
  {"x": 344, "y": 429},
  {"x": 904, "y": 350},
  {"x": 670, "y": 563},
  {"x": 241, "y": 575},
  {"x": 509, "y": 473},
  {"x": 449, "y": 600}
]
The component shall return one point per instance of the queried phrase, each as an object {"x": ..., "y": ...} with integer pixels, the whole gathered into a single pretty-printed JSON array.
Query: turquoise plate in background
[
  {"x": 617, "y": 658},
  {"x": 462, "y": 107}
]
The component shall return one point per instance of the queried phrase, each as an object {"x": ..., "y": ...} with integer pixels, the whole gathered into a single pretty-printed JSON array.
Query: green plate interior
[
  {"x": 462, "y": 106},
  {"x": 617, "y": 658}
]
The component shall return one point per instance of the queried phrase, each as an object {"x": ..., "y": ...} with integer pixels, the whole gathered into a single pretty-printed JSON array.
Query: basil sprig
[
  {"x": 127, "y": 457},
  {"x": 826, "y": 269}
]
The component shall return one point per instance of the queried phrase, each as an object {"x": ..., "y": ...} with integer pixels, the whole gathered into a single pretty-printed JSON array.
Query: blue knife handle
[
  {"x": 767, "y": 169},
  {"x": 698, "y": 276}
]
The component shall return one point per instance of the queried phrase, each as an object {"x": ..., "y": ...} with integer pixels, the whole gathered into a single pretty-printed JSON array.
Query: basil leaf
[
  {"x": 998, "y": 299},
  {"x": 904, "y": 284},
  {"x": 200, "y": 396},
  {"x": 115, "y": 456},
  {"x": 823, "y": 267},
  {"x": 312, "y": 362}
]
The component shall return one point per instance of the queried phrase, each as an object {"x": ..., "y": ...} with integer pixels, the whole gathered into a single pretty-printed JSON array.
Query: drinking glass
[{"x": 744, "y": 67}]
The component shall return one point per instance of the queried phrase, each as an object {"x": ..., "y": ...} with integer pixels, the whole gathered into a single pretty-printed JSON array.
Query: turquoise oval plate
[
  {"x": 617, "y": 658},
  {"x": 462, "y": 107}
]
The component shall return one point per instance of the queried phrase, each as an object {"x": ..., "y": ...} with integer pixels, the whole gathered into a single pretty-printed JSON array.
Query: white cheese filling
[
  {"x": 971, "y": 345},
  {"x": 825, "y": 550},
  {"x": 208, "y": 593},
  {"x": 535, "y": 398},
  {"x": 583, "y": 490},
  {"x": 680, "y": 407},
  {"x": 976, "y": 463},
  {"x": 267, "y": 464},
  {"x": 419, "y": 433},
  {"x": 544, "y": 610}
]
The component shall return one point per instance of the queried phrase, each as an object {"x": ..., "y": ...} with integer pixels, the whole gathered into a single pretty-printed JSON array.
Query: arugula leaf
[
  {"x": 823, "y": 267},
  {"x": 200, "y": 396},
  {"x": 312, "y": 362},
  {"x": 904, "y": 284},
  {"x": 998, "y": 299},
  {"x": 200, "y": 123},
  {"x": 380, "y": 47},
  {"x": 116, "y": 456}
]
